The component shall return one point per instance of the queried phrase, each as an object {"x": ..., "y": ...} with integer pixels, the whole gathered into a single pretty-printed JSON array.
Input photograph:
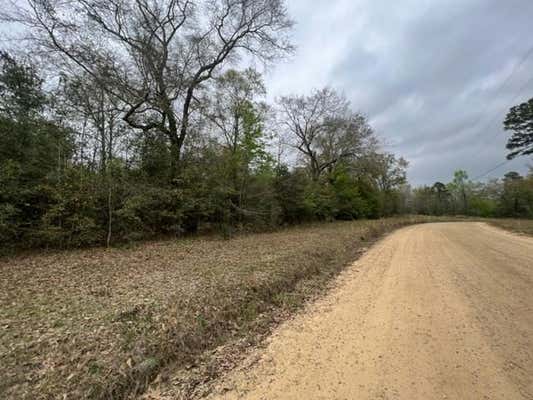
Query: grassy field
[{"x": 102, "y": 323}]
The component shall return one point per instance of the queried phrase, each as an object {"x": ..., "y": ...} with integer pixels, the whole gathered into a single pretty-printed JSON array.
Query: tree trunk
[
  {"x": 109, "y": 214},
  {"x": 175, "y": 158},
  {"x": 109, "y": 185},
  {"x": 177, "y": 137}
]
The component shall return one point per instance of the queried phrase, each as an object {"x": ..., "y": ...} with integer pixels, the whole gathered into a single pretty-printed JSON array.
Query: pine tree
[{"x": 520, "y": 121}]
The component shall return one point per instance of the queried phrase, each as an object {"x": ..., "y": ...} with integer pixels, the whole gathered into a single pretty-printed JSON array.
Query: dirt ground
[{"x": 435, "y": 311}]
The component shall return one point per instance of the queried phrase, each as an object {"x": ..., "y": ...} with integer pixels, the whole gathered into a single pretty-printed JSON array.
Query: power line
[
  {"x": 491, "y": 170},
  {"x": 495, "y": 117},
  {"x": 516, "y": 67},
  {"x": 512, "y": 102},
  {"x": 497, "y": 133}
]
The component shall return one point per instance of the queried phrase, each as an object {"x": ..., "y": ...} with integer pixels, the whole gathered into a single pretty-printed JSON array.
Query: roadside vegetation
[
  {"x": 521, "y": 226},
  {"x": 136, "y": 138},
  {"x": 101, "y": 323}
]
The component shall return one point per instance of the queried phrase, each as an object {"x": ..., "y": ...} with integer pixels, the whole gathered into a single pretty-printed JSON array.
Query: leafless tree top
[
  {"x": 323, "y": 128},
  {"x": 154, "y": 54}
]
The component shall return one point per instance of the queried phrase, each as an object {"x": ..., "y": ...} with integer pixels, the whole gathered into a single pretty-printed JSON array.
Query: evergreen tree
[{"x": 519, "y": 120}]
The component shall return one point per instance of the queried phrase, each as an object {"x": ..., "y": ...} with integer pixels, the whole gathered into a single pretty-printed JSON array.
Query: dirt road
[{"x": 438, "y": 311}]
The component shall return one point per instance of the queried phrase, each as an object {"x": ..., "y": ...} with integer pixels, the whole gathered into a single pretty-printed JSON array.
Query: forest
[{"x": 124, "y": 121}]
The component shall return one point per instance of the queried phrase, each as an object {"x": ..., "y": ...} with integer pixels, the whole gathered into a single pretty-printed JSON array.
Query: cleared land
[
  {"x": 437, "y": 311},
  {"x": 101, "y": 323}
]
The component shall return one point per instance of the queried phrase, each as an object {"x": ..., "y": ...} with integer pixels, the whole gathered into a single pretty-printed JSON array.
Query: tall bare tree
[
  {"x": 154, "y": 55},
  {"x": 324, "y": 129},
  {"x": 86, "y": 100}
]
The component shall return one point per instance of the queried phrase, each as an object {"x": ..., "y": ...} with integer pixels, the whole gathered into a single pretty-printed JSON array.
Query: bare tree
[
  {"x": 154, "y": 55},
  {"x": 86, "y": 100},
  {"x": 324, "y": 129},
  {"x": 389, "y": 171},
  {"x": 101, "y": 113}
]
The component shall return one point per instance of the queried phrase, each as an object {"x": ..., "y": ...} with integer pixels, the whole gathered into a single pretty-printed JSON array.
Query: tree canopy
[{"x": 519, "y": 120}]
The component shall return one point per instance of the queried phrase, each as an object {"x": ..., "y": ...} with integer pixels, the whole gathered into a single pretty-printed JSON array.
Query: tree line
[
  {"x": 510, "y": 196},
  {"x": 131, "y": 119}
]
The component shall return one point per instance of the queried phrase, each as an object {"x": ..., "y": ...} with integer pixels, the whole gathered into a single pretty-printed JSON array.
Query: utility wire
[
  {"x": 492, "y": 170},
  {"x": 495, "y": 117},
  {"x": 512, "y": 102},
  {"x": 516, "y": 67},
  {"x": 498, "y": 132}
]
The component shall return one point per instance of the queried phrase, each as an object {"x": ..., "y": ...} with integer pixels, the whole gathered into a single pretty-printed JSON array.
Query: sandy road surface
[{"x": 439, "y": 311}]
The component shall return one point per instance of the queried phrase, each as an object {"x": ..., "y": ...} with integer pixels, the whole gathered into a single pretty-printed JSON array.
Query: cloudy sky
[{"x": 435, "y": 77}]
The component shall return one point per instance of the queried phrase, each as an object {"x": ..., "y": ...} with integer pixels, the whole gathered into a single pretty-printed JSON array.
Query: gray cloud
[{"x": 429, "y": 74}]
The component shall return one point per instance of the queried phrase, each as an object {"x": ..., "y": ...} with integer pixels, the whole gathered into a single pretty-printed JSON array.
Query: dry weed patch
[{"x": 522, "y": 226}]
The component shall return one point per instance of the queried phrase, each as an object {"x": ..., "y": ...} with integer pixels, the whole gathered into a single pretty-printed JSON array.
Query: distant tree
[
  {"x": 519, "y": 120},
  {"x": 323, "y": 129},
  {"x": 512, "y": 196},
  {"x": 443, "y": 195},
  {"x": 440, "y": 189},
  {"x": 390, "y": 171},
  {"x": 423, "y": 198},
  {"x": 459, "y": 186}
]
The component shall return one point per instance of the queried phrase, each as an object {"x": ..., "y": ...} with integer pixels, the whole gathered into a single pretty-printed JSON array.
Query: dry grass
[
  {"x": 101, "y": 323},
  {"x": 522, "y": 226}
]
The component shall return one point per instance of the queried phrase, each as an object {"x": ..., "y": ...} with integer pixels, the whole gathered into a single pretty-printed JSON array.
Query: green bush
[{"x": 150, "y": 212}]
